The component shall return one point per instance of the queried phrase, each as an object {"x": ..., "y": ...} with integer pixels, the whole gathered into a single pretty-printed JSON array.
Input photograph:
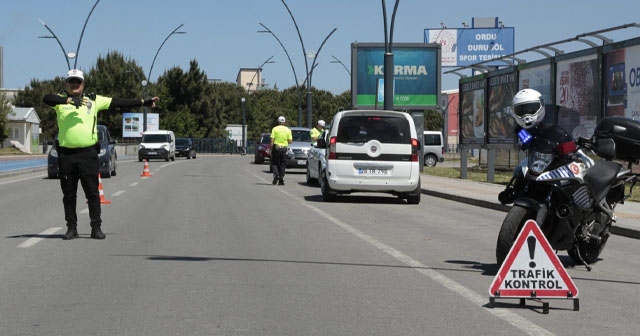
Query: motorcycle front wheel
[{"x": 511, "y": 226}]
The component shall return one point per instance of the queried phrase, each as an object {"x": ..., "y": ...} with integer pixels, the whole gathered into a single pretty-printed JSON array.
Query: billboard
[
  {"x": 467, "y": 46},
  {"x": 472, "y": 110},
  {"x": 537, "y": 76},
  {"x": 416, "y": 75},
  {"x": 500, "y": 123},
  {"x": 622, "y": 82},
  {"x": 577, "y": 91},
  {"x": 132, "y": 124}
]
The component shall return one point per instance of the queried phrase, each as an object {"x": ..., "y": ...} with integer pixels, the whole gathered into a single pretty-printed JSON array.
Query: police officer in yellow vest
[
  {"x": 77, "y": 116},
  {"x": 316, "y": 131},
  {"x": 280, "y": 139}
]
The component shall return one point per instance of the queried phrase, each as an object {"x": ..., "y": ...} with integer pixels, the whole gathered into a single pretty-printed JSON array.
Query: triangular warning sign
[{"x": 532, "y": 269}]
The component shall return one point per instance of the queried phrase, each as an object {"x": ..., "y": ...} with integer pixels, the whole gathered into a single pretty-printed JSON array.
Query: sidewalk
[{"x": 486, "y": 195}]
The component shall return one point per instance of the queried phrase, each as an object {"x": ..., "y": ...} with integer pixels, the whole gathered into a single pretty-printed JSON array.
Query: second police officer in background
[
  {"x": 280, "y": 139},
  {"x": 316, "y": 131}
]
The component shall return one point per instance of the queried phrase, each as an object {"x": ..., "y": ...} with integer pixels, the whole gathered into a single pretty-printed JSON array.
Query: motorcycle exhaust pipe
[{"x": 563, "y": 211}]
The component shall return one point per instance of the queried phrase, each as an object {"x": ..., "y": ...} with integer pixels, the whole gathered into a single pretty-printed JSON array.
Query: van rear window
[
  {"x": 432, "y": 140},
  {"x": 382, "y": 128}
]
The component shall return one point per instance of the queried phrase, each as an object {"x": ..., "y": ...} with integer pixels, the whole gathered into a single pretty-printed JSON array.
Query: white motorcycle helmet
[{"x": 528, "y": 108}]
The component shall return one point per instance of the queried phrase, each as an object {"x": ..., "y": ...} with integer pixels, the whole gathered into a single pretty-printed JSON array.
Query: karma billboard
[{"x": 416, "y": 75}]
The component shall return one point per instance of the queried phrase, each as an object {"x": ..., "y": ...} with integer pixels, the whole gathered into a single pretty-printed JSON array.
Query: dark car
[
  {"x": 108, "y": 157},
  {"x": 263, "y": 149},
  {"x": 185, "y": 148}
]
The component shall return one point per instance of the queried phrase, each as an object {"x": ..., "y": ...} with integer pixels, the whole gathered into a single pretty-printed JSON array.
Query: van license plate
[
  {"x": 152, "y": 153},
  {"x": 302, "y": 162},
  {"x": 373, "y": 171}
]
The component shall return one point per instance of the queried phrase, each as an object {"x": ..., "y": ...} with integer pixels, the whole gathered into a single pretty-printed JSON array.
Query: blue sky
[{"x": 222, "y": 35}]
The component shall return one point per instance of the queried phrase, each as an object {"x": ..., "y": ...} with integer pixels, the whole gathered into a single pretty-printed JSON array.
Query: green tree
[
  {"x": 433, "y": 120},
  {"x": 5, "y": 108}
]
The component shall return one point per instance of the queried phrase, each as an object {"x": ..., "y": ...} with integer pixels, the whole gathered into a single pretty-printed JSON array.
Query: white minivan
[
  {"x": 372, "y": 151},
  {"x": 433, "y": 148},
  {"x": 157, "y": 145}
]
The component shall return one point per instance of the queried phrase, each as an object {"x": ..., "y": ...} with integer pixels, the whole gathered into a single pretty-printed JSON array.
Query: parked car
[
  {"x": 433, "y": 148},
  {"x": 108, "y": 157},
  {"x": 372, "y": 151},
  {"x": 316, "y": 160},
  {"x": 263, "y": 149},
  {"x": 299, "y": 148},
  {"x": 185, "y": 148}
]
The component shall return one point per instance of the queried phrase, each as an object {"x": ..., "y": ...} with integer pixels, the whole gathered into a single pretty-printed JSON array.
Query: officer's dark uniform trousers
[{"x": 79, "y": 164}]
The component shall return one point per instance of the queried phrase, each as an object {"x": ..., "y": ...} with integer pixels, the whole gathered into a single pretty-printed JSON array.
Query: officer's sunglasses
[{"x": 74, "y": 81}]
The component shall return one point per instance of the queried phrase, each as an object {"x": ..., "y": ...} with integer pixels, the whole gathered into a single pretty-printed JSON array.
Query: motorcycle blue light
[{"x": 524, "y": 136}]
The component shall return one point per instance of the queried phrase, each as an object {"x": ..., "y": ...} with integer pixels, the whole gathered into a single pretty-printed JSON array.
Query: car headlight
[
  {"x": 53, "y": 152},
  {"x": 141, "y": 147},
  {"x": 538, "y": 162},
  {"x": 103, "y": 151}
]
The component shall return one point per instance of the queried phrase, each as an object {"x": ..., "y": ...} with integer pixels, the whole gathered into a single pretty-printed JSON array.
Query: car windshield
[
  {"x": 182, "y": 142},
  {"x": 301, "y": 135},
  {"x": 266, "y": 139},
  {"x": 382, "y": 128},
  {"x": 155, "y": 138}
]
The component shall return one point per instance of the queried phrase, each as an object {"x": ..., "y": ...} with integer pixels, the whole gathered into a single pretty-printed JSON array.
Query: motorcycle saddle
[{"x": 601, "y": 176}]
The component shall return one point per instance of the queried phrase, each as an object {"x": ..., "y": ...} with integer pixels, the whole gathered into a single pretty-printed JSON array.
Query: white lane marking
[
  {"x": 84, "y": 211},
  {"x": 32, "y": 241},
  {"x": 515, "y": 320},
  {"x": 133, "y": 184},
  {"x": 23, "y": 179},
  {"x": 118, "y": 193}
]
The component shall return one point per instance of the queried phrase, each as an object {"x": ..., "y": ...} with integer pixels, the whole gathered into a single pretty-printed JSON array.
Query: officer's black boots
[
  {"x": 96, "y": 233},
  {"x": 72, "y": 233}
]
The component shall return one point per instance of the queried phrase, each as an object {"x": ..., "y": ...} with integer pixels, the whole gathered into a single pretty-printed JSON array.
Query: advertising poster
[
  {"x": 415, "y": 75},
  {"x": 132, "y": 124},
  {"x": 472, "y": 112},
  {"x": 622, "y": 83},
  {"x": 501, "y": 124},
  {"x": 539, "y": 79},
  {"x": 576, "y": 95},
  {"x": 467, "y": 46}
]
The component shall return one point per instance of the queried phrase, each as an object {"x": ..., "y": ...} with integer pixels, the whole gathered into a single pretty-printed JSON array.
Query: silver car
[{"x": 299, "y": 148}]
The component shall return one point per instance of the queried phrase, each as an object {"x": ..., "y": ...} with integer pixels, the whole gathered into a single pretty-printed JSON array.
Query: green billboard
[{"x": 416, "y": 75}]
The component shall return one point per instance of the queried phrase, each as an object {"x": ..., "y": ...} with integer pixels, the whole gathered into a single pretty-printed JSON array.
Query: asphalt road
[{"x": 210, "y": 247}]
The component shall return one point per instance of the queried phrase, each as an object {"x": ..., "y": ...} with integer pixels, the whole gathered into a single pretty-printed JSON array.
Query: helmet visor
[{"x": 525, "y": 109}]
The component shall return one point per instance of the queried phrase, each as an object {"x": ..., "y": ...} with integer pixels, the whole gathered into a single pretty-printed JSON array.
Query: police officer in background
[
  {"x": 77, "y": 144},
  {"x": 280, "y": 138},
  {"x": 316, "y": 131}
]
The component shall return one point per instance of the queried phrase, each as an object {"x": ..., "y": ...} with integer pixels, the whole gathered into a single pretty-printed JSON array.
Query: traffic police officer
[
  {"x": 77, "y": 144},
  {"x": 316, "y": 131},
  {"x": 280, "y": 138}
]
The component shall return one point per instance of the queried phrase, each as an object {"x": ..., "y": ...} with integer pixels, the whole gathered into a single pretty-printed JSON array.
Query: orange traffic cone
[
  {"x": 145, "y": 171},
  {"x": 102, "y": 199}
]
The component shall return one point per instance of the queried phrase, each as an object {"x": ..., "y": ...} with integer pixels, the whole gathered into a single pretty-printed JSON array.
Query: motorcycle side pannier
[{"x": 625, "y": 132}]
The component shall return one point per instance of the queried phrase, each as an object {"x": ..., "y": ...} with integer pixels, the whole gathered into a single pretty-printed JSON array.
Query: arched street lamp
[
  {"x": 259, "y": 70},
  {"x": 336, "y": 60},
  {"x": 144, "y": 83},
  {"x": 304, "y": 52},
  {"x": 70, "y": 55},
  {"x": 295, "y": 77},
  {"x": 388, "y": 56}
]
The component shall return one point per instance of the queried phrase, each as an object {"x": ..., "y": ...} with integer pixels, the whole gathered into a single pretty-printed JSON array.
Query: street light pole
[
  {"x": 244, "y": 143},
  {"x": 69, "y": 55},
  {"x": 306, "y": 64},
  {"x": 144, "y": 84},
  {"x": 256, "y": 73},
  {"x": 336, "y": 60},
  {"x": 388, "y": 57},
  {"x": 295, "y": 77}
]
